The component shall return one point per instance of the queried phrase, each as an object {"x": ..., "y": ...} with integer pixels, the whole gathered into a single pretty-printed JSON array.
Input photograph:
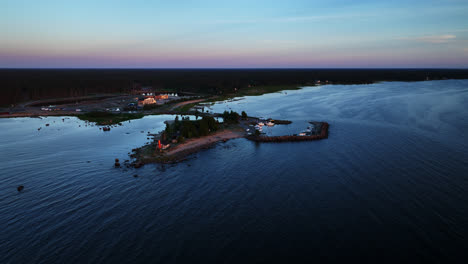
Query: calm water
[{"x": 390, "y": 184}]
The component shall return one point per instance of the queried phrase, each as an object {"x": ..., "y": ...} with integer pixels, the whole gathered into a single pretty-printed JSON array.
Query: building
[
  {"x": 149, "y": 100},
  {"x": 161, "y": 97},
  {"x": 146, "y": 101}
]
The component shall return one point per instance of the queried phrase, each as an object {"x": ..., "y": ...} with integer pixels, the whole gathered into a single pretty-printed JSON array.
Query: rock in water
[{"x": 20, "y": 188}]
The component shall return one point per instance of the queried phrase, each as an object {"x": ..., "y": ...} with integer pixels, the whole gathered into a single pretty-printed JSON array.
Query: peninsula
[{"x": 184, "y": 137}]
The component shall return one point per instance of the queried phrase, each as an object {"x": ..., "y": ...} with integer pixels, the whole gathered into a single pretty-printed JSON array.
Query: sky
[{"x": 233, "y": 34}]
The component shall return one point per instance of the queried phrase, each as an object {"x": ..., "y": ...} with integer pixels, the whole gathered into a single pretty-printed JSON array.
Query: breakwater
[
  {"x": 291, "y": 138},
  {"x": 281, "y": 122}
]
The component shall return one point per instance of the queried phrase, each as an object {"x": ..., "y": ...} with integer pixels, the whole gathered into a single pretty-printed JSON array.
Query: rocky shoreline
[{"x": 291, "y": 138}]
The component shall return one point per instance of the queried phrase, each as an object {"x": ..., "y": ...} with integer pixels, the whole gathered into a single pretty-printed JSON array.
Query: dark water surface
[{"x": 390, "y": 184}]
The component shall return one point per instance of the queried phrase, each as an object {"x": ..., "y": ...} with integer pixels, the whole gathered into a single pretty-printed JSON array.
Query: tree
[
  {"x": 244, "y": 115},
  {"x": 230, "y": 117},
  {"x": 168, "y": 130},
  {"x": 204, "y": 128},
  {"x": 180, "y": 139}
]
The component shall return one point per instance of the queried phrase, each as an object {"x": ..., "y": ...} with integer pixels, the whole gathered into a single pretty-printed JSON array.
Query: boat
[
  {"x": 270, "y": 124},
  {"x": 261, "y": 124}
]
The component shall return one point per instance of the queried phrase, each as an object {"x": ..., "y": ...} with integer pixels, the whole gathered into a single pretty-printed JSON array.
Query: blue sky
[{"x": 184, "y": 34}]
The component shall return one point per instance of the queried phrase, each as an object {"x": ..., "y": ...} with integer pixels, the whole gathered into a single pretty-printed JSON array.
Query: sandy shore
[
  {"x": 195, "y": 144},
  {"x": 179, "y": 152}
]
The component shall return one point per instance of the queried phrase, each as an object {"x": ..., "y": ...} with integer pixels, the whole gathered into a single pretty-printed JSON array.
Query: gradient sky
[{"x": 232, "y": 34}]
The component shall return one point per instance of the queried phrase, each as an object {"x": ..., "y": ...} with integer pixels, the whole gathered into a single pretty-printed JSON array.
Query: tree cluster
[
  {"x": 230, "y": 117},
  {"x": 185, "y": 128}
]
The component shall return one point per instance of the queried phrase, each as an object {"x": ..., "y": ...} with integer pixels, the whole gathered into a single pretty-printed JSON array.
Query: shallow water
[{"x": 389, "y": 184}]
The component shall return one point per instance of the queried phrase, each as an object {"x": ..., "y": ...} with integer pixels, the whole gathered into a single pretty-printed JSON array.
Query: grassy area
[
  {"x": 186, "y": 108},
  {"x": 105, "y": 118},
  {"x": 259, "y": 90}
]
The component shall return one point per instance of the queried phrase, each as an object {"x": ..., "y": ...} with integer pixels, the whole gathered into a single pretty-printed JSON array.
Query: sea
[{"x": 390, "y": 184}]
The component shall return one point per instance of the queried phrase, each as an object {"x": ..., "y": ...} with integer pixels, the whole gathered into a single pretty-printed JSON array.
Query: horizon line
[{"x": 234, "y": 68}]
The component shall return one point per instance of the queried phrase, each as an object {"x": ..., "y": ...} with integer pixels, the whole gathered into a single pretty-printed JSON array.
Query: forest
[{"x": 20, "y": 85}]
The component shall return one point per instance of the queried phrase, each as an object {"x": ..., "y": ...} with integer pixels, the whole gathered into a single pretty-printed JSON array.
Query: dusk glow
[{"x": 233, "y": 34}]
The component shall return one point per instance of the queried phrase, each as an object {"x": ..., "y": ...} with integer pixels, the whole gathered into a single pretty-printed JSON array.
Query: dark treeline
[
  {"x": 19, "y": 85},
  {"x": 185, "y": 128}
]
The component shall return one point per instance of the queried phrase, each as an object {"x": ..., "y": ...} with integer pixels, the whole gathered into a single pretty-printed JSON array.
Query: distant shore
[
  {"x": 106, "y": 109},
  {"x": 19, "y": 85}
]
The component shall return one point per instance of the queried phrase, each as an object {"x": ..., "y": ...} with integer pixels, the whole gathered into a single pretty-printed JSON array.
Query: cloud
[
  {"x": 291, "y": 19},
  {"x": 438, "y": 39}
]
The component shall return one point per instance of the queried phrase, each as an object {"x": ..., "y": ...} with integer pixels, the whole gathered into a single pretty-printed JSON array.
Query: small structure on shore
[{"x": 162, "y": 146}]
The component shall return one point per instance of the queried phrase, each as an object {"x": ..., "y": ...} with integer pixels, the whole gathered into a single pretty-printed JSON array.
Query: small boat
[
  {"x": 270, "y": 124},
  {"x": 261, "y": 124}
]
